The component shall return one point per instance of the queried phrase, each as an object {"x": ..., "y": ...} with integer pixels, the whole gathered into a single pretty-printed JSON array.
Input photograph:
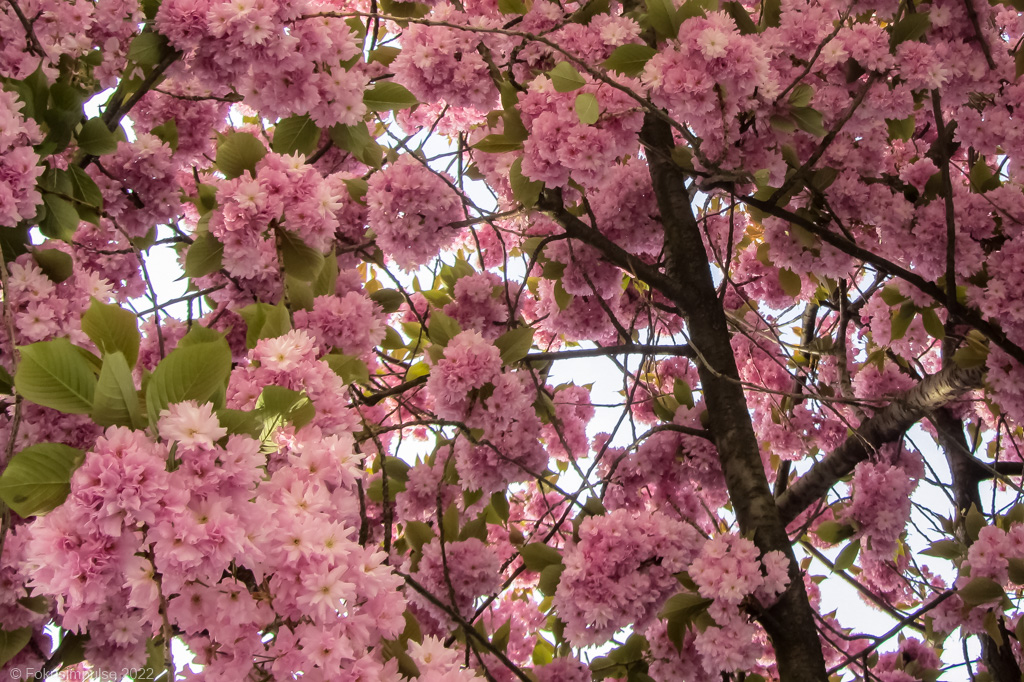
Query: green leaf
[
  {"x": 241, "y": 422},
  {"x": 350, "y": 368},
  {"x": 790, "y": 282},
  {"x": 547, "y": 583},
  {"x": 96, "y": 139},
  {"x": 278, "y": 405},
  {"x": 418, "y": 534},
  {"x": 771, "y": 13},
  {"x": 497, "y": 144},
  {"x": 300, "y": 261},
  {"x": 974, "y": 521},
  {"x": 801, "y": 95},
  {"x": 148, "y": 49},
  {"x": 84, "y": 187},
  {"x": 587, "y": 108},
  {"x": 38, "y": 479},
  {"x": 526, "y": 191},
  {"x": 55, "y": 374},
  {"x": 901, "y": 128},
  {"x": 664, "y": 18},
  {"x": 629, "y": 59},
  {"x": 511, "y": 6},
  {"x": 390, "y": 300},
  {"x": 911, "y": 27},
  {"x": 388, "y": 96},
  {"x": 405, "y": 10},
  {"x": 205, "y": 256},
  {"x": 200, "y": 334},
  {"x": 537, "y": 556},
  {"x": 808, "y": 120},
  {"x": 742, "y": 18},
  {"x": 296, "y": 135},
  {"x": 168, "y": 133},
  {"x": 684, "y": 605},
  {"x": 62, "y": 117},
  {"x": 981, "y": 591},
  {"x": 61, "y": 221},
  {"x": 587, "y": 12},
  {"x": 239, "y": 152},
  {"x": 515, "y": 344},
  {"x": 356, "y": 140},
  {"x": 834, "y": 531},
  {"x": 565, "y": 78},
  {"x": 945, "y": 549},
  {"x": 54, "y": 263},
  {"x": 974, "y": 354},
  {"x": 901, "y": 320},
  {"x": 846, "y": 557},
  {"x": 113, "y": 329},
  {"x": 1016, "y": 567},
  {"x": 441, "y": 328},
  {"x": 116, "y": 402},
  {"x": 196, "y": 372},
  {"x": 932, "y": 324},
  {"x": 12, "y": 642},
  {"x": 420, "y": 369},
  {"x": 300, "y": 294},
  {"x": 264, "y": 321},
  {"x": 384, "y": 54},
  {"x": 982, "y": 178},
  {"x": 357, "y": 189}
]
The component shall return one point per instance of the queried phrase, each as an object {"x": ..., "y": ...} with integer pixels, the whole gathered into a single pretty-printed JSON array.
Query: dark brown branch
[
  {"x": 34, "y": 46},
  {"x": 967, "y": 472},
  {"x": 887, "y": 424},
  {"x": 601, "y": 351},
  {"x": 790, "y": 622},
  {"x": 966, "y": 315}
]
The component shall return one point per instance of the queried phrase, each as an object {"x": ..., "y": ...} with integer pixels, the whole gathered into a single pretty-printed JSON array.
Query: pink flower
[{"x": 191, "y": 424}]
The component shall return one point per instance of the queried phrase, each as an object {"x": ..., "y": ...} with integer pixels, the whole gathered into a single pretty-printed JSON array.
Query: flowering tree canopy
[{"x": 359, "y": 448}]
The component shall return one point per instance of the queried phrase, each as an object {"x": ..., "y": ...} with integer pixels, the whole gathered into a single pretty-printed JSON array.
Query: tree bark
[
  {"x": 886, "y": 425},
  {"x": 790, "y": 622},
  {"x": 966, "y": 474}
]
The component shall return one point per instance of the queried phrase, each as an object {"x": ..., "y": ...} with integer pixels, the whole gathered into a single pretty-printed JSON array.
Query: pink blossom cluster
[
  {"x": 881, "y": 503},
  {"x": 19, "y": 164},
  {"x": 282, "y": 56},
  {"x": 134, "y": 535},
  {"x": 291, "y": 361},
  {"x": 352, "y": 323},
  {"x": 626, "y": 210},
  {"x": 479, "y": 304},
  {"x": 411, "y": 209},
  {"x": 43, "y": 309},
  {"x": 988, "y": 556},
  {"x": 668, "y": 469},
  {"x": 510, "y": 450},
  {"x": 621, "y": 571},
  {"x": 728, "y": 569},
  {"x": 285, "y": 194},
  {"x": 447, "y": 64},
  {"x": 561, "y": 148},
  {"x": 467, "y": 569},
  {"x": 147, "y": 166},
  {"x": 912, "y": 661},
  {"x": 438, "y": 663},
  {"x": 566, "y": 433},
  {"x": 469, "y": 363},
  {"x": 685, "y": 78}
]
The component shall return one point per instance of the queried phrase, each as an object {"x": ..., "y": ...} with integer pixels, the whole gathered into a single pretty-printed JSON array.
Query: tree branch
[{"x": 889, "y": 423}]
